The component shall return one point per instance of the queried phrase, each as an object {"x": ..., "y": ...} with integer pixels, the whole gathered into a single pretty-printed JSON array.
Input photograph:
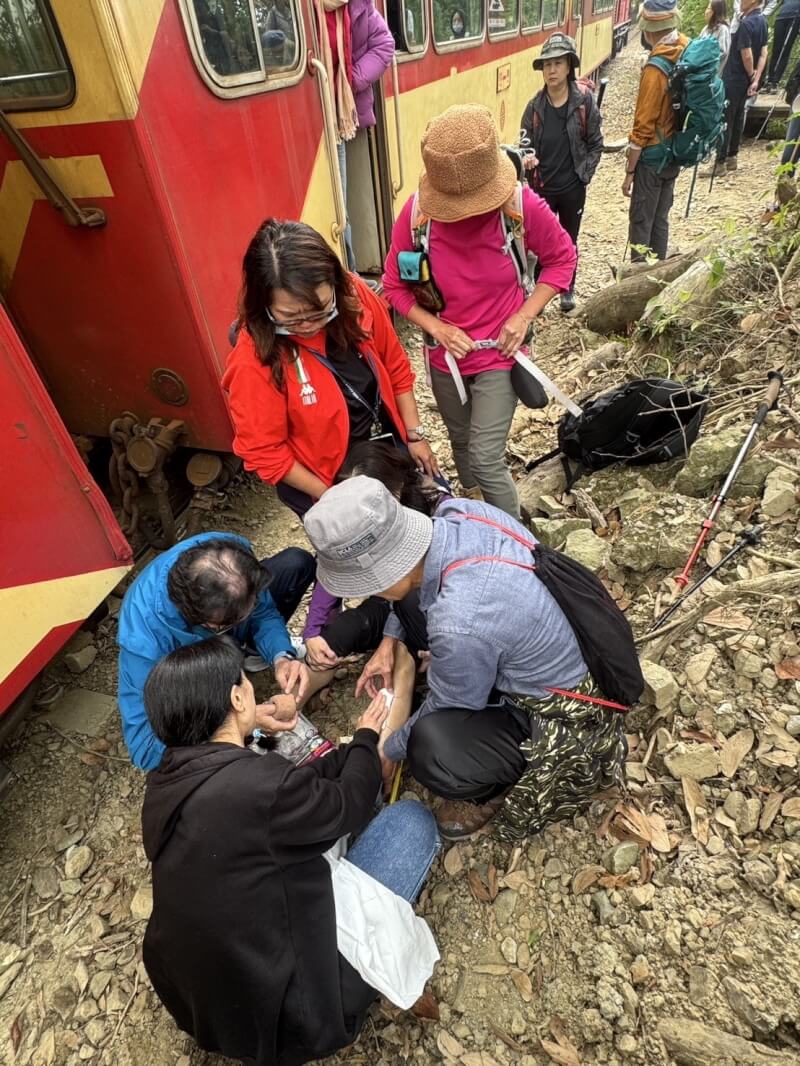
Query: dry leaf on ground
[
  {"x": 563, "y": 1051},
  {"x": 697, "y": 809},
  {"x": 772, "y": 804},
  {"x": 728, "y": 619},
  {"x": 448, "y": 1045},
  {"x": 586, "y": 877},
  {"x": 659, "y": 835},
  {"x": 427, "y": 1006},
  {"x": 734, "y": 750},
  {"x": 478, "y": 888},
  {"x": 633, "y": 823},
  {"x": 791, "y": 808},
  {"x": 494, "y": 887},
  {"x": 524, "y": 985},
  {"x": 515, "y": 880},
  {"x": 454, "y": 861},
  {"x": 789, "y": 669}
]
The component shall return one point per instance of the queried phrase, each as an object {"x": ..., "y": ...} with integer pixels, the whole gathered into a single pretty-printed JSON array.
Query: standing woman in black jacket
[
  {"x": 562, "y": 125},
  {"x": 242, "y": 945}
]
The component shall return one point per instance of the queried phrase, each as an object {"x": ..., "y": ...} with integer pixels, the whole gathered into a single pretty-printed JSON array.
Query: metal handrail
[
  {"x": 397, "y": 185},
  {"x": 74, "y": 215},
  {"x": 331, "y": 140}
]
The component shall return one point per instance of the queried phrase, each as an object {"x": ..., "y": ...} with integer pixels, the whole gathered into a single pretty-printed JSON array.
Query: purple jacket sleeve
[
  {"x": 549, "y": 241},
  {"x": 320, "y": 610},
  {"x": 373, "y": 56},
  {"x": 398, "y": 292}
]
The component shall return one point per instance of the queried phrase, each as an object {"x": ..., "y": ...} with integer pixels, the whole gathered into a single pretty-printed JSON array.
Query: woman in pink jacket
[
  {"x": 357, "y": 47},
  {"x": 466, "y": 183}
]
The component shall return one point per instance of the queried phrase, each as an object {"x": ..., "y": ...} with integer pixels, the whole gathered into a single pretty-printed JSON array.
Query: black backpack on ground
[
  {"x": 601, "y": 629},
  {"x": 649, "y": 420}
]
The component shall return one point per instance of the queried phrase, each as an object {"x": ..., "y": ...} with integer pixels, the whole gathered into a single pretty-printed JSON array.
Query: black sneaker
[{"x": 567, "y": 301}]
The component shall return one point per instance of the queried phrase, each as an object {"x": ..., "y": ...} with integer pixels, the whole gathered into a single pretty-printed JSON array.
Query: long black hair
[
  {"x": 719, "y": 14},
  {"x": 294, "y": 257},
  {"x": 187, "y": 694},
  {"x": 396, "y": 470}
]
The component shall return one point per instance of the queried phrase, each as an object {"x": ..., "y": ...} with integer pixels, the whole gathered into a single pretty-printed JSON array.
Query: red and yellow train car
[{"x": 143, "y": 141}]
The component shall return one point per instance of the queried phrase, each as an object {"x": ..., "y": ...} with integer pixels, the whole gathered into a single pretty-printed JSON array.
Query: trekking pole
[
  {"x": 601, "y": 92},
  {"x": 691, "y": 189},
  {"x": 748, "y": 538},
  {"x": 775, "y": 104},
  {"x": 775, "y": 379}
]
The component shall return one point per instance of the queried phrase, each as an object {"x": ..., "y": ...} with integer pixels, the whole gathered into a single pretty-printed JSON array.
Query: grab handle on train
[
  {"x": 397, "y": 185},
  {"x": 329, "y": 121}
]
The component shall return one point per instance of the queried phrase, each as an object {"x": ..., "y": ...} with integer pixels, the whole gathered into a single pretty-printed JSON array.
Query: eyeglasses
[
  {"x": 219, "y": 630},
  {"x": 311, "y": 317}
]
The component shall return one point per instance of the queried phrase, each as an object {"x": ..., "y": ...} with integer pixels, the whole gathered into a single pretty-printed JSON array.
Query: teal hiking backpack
[{"x": 698, "y": 97}]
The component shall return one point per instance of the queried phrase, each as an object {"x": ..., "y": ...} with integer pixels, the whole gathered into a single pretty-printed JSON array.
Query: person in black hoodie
[{"x": 241, "y": 946}]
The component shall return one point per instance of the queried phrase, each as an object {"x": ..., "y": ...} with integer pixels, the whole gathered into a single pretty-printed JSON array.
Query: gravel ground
[{"x": 673, "y": 905}]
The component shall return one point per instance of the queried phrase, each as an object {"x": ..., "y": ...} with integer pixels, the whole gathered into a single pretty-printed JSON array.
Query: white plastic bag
[{"x": 379, "y": 934}]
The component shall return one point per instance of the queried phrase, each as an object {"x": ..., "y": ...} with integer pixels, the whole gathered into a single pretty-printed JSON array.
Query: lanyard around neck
[{"x": 375, "y": 411}]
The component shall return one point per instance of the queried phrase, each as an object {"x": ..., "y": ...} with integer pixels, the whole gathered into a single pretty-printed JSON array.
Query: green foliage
[{"x": 693, "y": 15}]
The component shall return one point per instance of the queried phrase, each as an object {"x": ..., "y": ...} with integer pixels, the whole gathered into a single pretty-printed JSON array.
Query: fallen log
[
  {"x": 611, "y": 309},
  {"x": 693, "y": 1044}
]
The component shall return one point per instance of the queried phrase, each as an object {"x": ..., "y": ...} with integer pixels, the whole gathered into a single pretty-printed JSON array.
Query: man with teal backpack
[{"x": 679, "y": 121}]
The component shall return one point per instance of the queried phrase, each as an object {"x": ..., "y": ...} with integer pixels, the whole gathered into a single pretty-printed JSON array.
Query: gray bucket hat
[
  {"x": 557, "y": 45},
  {"x": 366, "y": 541}
]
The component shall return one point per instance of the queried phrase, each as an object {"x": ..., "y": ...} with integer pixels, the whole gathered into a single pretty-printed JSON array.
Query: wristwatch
[{"x": 416, "y": 433}]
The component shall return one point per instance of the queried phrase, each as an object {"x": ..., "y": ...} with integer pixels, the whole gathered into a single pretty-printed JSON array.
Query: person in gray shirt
[{"x": 506, "y": 729}]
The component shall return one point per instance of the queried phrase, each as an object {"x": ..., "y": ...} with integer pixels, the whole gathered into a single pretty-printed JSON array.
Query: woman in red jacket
[{"x": 317, "y": 367}]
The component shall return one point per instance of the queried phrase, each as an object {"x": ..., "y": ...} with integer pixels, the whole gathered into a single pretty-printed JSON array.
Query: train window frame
[
  {"x": 503, "y": 35},
  {"x": 556, "y": 21},
  {"x": 602, "y": 7},
  {"x": 536, "y": 27},
  {"x": 248, "y": 83},
  {"x": 458, "y": 44},
  {"x": 54, "y": 101},
  {"x": 407, "y": 55}
]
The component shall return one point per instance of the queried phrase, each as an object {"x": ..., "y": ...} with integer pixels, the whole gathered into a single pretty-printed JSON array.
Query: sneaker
[
  {"x": 567, "y": 301},
  {"x": 732, "y": 163},
  {"x": 716, "y": 170},
  {"x": 458, "y": 819}
]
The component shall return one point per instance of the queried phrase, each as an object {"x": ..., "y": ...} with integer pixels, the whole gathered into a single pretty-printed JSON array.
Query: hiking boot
[
  {"x": 567, "y": 301},
  {"x": 458, "y": 819},
  {"x": 732, "y": 163},
  {"x": 716, "y": 170}
]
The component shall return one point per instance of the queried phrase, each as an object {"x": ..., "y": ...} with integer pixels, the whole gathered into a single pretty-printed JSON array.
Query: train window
[
  {"x": 598, "y": 6},
  {"x": 407, "y": 20},
  {"x": 245, "y": 42},
  {"x": 550, "y": 12},
  {"x": 531, "y": 14},
  {"x": 34, "y": 70},
  {"x": 455, "y": 21},
  {"x": 503, "y": 17},
  {"x": 562, "y": 10}
]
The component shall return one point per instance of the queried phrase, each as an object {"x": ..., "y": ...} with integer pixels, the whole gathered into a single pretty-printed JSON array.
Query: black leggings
[
  {"x": 360, "y": 629},
  {"x": 568, "y": 208}
]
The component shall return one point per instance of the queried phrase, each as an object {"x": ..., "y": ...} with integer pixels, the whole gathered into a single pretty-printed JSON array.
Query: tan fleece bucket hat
[{"x": 466, "y": 171}]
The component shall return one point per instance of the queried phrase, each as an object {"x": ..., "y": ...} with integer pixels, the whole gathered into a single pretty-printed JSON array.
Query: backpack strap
[
  {"x": 512, "y": 220},
  {"x": 661, "y": 63},
  {"x": 420, "y": 226}
]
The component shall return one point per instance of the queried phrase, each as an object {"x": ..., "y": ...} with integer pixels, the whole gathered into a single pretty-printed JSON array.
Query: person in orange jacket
[{"x": 317, "y": 367}]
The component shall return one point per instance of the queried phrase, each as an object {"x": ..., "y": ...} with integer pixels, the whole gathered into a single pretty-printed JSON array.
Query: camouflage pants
[{"x": 576, "y": 750}]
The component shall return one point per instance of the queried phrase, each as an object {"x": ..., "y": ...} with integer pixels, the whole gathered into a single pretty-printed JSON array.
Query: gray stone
[
  {"x": 642, "y": 895},
  {"x": 504, "y": 907},
  {"x": 759, "y": 875},
  {"x": 619, "y": 858},
  {"x": 587, "y": 548},
  {"x": 745, "y": 812},
  {"x": 99, "y": 983},
  {"x": 660, "y": 687},
  {"x": 554, "y": 868},
  {"x": 746, "y": 1004},
  {"x": 83, "y": 711},
  {"x": 742, "y": 957},
  {"x": 546, "y": 480},
  {"x": 553, "y": 532},
  {"x": 602, "y": 906},
  {"x": 698, "y": 666},
  {"x": 44, "y": 880},
  {"x": 8, "y": 977},
  {"x": 64, "y": 1000},
  {"x": 672, "y": 939},
  {"x": 654, "y": 539},
  {"x": 552, "y": 507},
  {"x": 702, "y": 984},
  {"x": 508, "y": 949},
  {"x": 78, "y": 661},
  {"x": 9, "y": 954},
  {"x": 142, "y": 902},
  {"x": 633, "y": 501},
  {"x": 66, "y": 838},
  {"x": 626, "y": 1044},
  {"x": 779, "y": 494},
  {"x": 725, "y": 883},
  {"x": 697, "y": 761},
  {"x": 77, "y": 862},
  {"x": 593, "y": 1029},
  {"x": 710, "y": 460},
  {"x": 747, "y": 663},
  {"x": 793, "y": 725}
]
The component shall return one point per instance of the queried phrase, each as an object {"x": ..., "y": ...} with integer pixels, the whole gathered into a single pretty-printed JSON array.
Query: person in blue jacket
[{"x": 208, "y": 584}]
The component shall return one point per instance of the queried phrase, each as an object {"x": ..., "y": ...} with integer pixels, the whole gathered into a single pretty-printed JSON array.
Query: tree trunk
[
  {"x": 613, "y": 308},
  {"x": 693, "y": 1044}
]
